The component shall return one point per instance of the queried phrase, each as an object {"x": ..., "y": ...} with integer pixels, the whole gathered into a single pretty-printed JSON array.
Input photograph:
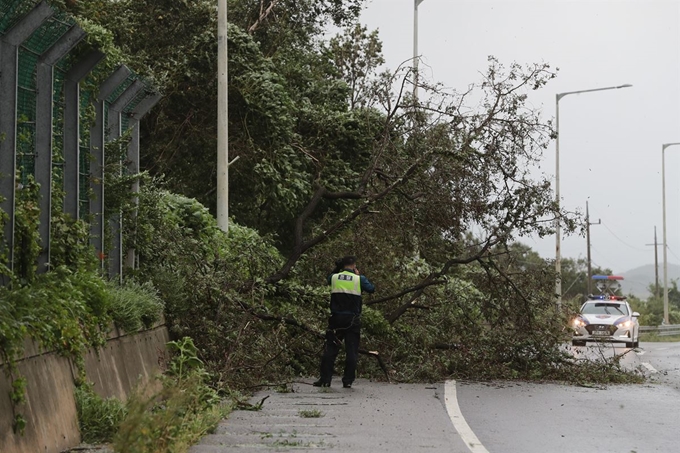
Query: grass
[
  {"x": 654, "y": 337},
  {"x": 311, "y": 413},
  {"x": 98, "y": 418}
]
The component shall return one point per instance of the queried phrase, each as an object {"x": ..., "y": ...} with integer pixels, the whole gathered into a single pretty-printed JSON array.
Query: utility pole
[
  {"x": 415, "y": 48},
  {"x": 222, "y": 119},
  {"x": 656, "y": 264},
  {"x": 590, "y": 272}
]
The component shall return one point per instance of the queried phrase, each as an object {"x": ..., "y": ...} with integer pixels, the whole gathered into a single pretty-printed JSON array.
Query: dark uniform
[{"x": 344, "y": 323}]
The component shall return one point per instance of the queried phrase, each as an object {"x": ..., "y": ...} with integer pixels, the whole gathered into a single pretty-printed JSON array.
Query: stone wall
[{"x": 50, "y": 412}]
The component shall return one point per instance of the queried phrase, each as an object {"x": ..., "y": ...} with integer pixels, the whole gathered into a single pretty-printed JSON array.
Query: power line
[
  {"x": 672, "y": 253},
  {"x": 599, "y": 253},
  {"x": 621, "y": 240}
]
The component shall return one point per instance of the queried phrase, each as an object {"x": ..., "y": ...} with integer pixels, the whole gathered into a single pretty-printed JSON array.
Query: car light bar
[
  {"x": 607, "y": 277},
  {"x": 605, "y": 297}
]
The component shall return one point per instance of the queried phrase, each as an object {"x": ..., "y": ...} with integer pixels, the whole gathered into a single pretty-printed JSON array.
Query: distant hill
[{"x": 636, "y": 281}]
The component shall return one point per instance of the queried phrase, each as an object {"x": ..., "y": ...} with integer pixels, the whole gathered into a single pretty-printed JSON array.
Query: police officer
[{"x": 344, "y": 323}]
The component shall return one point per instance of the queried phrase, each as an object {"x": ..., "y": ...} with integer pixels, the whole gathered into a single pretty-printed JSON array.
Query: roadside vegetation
[
  {"x": 651, "y": 310},
  {"x": 653, "y": 337},
  {"x": 337, "y": 157}
]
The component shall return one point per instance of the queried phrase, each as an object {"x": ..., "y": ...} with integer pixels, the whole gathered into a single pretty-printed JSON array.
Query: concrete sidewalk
[{"x": 370, "y": 417}]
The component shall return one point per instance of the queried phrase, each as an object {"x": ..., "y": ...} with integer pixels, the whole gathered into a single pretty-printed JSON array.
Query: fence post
[
  {"x": 97, "y": 147},
  {"x": 44, "y": 131},
  {"x": 115, "y": 221},
  {"x": 75, "y": 74},
  {"x": 133, "y": 156},
  {"x": 9, "y": 51}
]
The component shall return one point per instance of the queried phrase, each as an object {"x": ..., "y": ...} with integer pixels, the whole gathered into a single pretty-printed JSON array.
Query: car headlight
[
  {"x": 578, "y": 322},
  {"x": 625, "y": 324}
]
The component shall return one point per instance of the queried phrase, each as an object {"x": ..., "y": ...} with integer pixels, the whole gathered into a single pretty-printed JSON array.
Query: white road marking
[
  {"x": 649, "y": 367},
  {"x": 466, "y": 433}
]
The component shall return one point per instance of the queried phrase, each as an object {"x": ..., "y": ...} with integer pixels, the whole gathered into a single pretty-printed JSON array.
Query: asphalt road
[
  {"x": 662, "y": 362},
  {"x": 463, "y": 417},
  {"x": 370, "y": 417},
  {"x": 513, "y": 417}
]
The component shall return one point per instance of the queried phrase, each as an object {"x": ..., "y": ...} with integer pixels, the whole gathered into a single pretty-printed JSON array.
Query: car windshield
[{"x": 604, "y": 308}]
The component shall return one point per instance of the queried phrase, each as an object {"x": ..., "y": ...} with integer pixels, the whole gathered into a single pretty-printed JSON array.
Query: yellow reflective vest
[{"x": 346, "y": 293}]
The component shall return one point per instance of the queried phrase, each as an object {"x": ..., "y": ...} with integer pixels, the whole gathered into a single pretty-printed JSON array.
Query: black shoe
[
  {"x": 346, "y": 385},
  {"x": 321, "y": 384}
]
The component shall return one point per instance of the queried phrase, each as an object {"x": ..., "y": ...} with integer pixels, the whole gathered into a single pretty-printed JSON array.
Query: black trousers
[{"x": 341, "y": 328}]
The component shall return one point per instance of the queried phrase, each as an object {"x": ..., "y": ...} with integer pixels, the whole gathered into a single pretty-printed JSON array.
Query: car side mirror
[{"x": 636, "y": 314}]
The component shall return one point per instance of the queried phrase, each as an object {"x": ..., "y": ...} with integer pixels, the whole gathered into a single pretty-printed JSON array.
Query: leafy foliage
[
  {"x": 175, "y": 418},
  {"x": 575, "y": 279},
  {"x": 433, "y": 194},
  {"x": 64, "y": 310},
  {"x": 167, "y": 420},
  {"x": 134, "y": 306},
  {"x": 335, "y": 159},
  {"x": 98, "y": 418},
  {"x": 26, "y": 234},
  {"x": 652, "y": 310}
]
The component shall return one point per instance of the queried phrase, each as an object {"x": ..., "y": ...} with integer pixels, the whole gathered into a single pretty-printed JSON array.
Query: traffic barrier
[{"x": 662, "y": 330}]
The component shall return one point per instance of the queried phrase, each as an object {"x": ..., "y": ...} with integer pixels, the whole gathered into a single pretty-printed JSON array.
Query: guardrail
[{"x": 663, "y": 330}]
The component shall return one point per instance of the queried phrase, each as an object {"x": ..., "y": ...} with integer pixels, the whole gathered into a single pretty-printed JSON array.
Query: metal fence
[
  {"x": 663, "y": 330},
  {"x": 44, "y": 130}
]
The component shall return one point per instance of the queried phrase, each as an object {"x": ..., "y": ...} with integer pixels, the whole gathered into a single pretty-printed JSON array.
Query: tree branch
[
  {"x": 293, "y": 322},
  {"x": 263, "y": 15}
]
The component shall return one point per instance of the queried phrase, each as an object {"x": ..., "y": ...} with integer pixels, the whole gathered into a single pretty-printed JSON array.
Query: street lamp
[
  {"x": 415, "y": 47},
  {"x": 665, "y": 253},
  {"x": 558, "y": 262}
]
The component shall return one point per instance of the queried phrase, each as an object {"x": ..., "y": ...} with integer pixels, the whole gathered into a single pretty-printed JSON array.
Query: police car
[{"x": 606, "y": 317}]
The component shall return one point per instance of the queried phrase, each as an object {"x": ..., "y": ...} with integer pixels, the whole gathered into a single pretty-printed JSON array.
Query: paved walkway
[{"x": 370, "y": 417}]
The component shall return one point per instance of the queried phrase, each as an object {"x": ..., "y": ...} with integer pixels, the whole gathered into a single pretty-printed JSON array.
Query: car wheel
[{"x": 578, "y": 343}]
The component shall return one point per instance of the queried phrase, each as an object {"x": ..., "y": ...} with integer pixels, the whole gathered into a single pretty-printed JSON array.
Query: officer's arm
[{"x": 366, "y": 285}]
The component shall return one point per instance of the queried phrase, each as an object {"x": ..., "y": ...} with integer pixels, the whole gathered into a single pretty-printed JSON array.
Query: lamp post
[
  {"x": 558, "y": 258},
  {"x": 415, "y": 47},
  {"x": 665, "y": 245}
]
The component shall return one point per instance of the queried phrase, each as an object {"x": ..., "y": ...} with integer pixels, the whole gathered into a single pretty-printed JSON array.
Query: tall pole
[
  {"x": 590, "y": 271},
  {"x": 558, "y": 223},
  {"x": 222, "y": 119},
  {"x": 558, "y": 232},
  {"x": 415, "y": 47},
  {"x": 656, "y": 265},
  {"x": 665, "y": 243}
]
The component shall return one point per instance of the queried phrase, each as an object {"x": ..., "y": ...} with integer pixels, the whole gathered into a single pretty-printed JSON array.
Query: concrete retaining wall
[{"x": 125, "y": 361}]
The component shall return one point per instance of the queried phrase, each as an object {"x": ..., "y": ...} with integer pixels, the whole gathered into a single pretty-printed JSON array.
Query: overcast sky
[{"x": 610, "y": 141}]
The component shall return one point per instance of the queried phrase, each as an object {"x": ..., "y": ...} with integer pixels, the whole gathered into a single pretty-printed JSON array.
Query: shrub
[
  {"x": 175, "y": 418},
  {"x": 135, "y": 306},
  {"x": 98, "y": 418}
]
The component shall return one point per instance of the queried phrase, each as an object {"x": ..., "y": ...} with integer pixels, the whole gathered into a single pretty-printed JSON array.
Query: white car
[{"x": 607, "y": 318}]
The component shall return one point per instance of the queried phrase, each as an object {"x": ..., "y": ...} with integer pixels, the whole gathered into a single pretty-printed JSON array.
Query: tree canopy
[{"x": 338, "y": 157}]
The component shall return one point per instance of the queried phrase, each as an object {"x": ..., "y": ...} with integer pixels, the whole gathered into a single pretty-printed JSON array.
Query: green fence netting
[
  {"x": 85, "y": 160},
  {"x": 13, "y": 10},
  {"x": 29, "y": 52},
  {"x": 127, "y": 111}
]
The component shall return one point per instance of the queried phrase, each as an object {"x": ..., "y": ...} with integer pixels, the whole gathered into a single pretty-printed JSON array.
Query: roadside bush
[
  {"x": 64, "y": 310},
  {"x": 98, "y": 418},
  {"x": 177, "y": 416},
  {"x": 475, "y": 324},
  {"x": 135, "y": 306}
]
